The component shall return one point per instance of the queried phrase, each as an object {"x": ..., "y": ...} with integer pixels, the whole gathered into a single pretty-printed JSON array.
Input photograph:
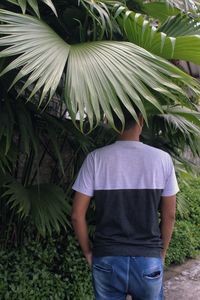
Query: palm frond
[
  {"x": 176, "y": 122},
  {"x": 44, "y": 204},
  {"x": 159, "y": 10},
  {"x": 28, "y": 136},
  {"x": 33, "y": 4},
  {"x": 6, "y": 161},
  {"x": 139, "y": 31},
  {"x": 181, "y": 25},
  {"x": 180, "y": 128},
  {"x": 7, "y": 125},
  {"x": 8, "y": 119},
  {"x": 43, "y": 54},
  {"x": 21, "y": 129},
  {"x": 182, "y": 120},
  {"x": 102, "y": 16},
  {"x": 108, "y": 71},
  {"x": 184, "y": 5},
  {"x": 192, "y": 116},
  {"x": 51, "y": 5},
  {"x": 99, "y": 75},
  {"x": 182, "y": 205},
  {"x": 177, "y": 132}
]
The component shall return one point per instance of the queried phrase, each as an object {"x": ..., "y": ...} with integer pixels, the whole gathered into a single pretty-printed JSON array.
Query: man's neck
[{"x": 130, "y": 135}]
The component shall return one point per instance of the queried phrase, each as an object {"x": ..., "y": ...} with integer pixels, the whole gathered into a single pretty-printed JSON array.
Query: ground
[{"x": 183, "y": 282}]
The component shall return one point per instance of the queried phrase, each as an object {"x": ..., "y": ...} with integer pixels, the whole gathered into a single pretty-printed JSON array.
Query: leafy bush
[
  {"x": 51, "y": 270},
  {"x": 191, "y": 193},
  {"x": 185, "y": 241},
  {"x": 183, "y": 244}
]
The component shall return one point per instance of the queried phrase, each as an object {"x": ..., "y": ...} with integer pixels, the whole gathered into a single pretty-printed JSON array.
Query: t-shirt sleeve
[
  {"x": 85, "y": 180},
  {"x": 171, "y": 185}
]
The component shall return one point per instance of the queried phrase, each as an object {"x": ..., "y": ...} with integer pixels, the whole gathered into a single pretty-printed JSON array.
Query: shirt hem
[{"x": 133, "y": 251}]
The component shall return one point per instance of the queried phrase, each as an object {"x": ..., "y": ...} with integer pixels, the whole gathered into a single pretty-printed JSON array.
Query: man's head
[{"x": 130, "y": 122}]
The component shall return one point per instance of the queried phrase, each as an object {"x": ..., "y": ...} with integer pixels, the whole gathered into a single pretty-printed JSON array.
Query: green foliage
[
  {"x": 51, "y": 270},
  {"x": 79, "y": 274},
  {"x": 94, "y": 77},
  {"x": 159, "y": 10},
  {"x": 33, "y": 166},
  {"x": 33, "y": 4},
  {"x": 191, "y": 192},
  {"x": 186, "y": 5},
  {"x": 185, "y": 241},
  {"x": 183, "y": 35},
  {"x": 173, "y": 130},
  {"x": 99, "y": 89},
  {"x": 45, "y": 204},
  {"x": 180, "y": 25}
]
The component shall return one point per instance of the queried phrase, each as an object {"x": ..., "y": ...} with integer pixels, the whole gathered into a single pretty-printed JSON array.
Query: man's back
[{"x": 127, "y": 179}]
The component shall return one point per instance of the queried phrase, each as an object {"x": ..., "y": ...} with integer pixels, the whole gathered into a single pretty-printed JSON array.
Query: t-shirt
[{"x": 127, "y": 180}]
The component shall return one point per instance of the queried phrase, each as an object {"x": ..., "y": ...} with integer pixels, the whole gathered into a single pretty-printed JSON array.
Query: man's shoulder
[
  {"x": 147, "y": 150},
  {"x": 102, "y": 150},
  {"x": 156, "y": 151}
]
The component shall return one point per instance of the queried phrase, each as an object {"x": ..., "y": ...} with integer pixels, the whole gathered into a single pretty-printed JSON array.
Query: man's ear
[{"x": 141, "y": 120}]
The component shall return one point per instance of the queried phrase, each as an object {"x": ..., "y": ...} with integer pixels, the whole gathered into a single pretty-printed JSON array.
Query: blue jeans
[{"x": 115, "y": 277}]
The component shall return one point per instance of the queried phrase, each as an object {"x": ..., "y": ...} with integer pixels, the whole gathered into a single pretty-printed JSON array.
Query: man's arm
[
  {"x": 168, "y": 212},
  {"x": 79, "y": 209}
]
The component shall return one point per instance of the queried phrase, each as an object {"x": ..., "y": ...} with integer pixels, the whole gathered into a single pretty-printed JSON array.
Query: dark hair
[{"x": 129, "y": 119}]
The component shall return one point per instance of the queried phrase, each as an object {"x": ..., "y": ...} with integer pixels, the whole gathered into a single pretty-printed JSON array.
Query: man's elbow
[
  {"x": 76, "y": 218},
  {"x": 170, "y": 217}
]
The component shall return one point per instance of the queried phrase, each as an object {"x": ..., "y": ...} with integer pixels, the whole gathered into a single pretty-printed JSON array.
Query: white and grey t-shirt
[{"x": 127, "y": 180}]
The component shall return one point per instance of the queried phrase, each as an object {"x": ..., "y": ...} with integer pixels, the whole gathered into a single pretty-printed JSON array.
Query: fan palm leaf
[
  {"x": 182, "y": 119},
  {"x": 187, "y": 5},
  {"x": 7, "y": 126},
  {"x": 139, "y": 31},
  {"x": 99, "y": 75},
  {"x": 45, "y": 204},
  {"x": 159, "y": 10},
  {"x": 101, "y": 13},
  {"x": 43, "y": 53},
  {"x": 6, "y": 160},
  {"x": 180, "y": 25},
  {"x": 184, "y": 5},
  {"x": 33, "y": 4},
  {"x": 179, "y": 127}
]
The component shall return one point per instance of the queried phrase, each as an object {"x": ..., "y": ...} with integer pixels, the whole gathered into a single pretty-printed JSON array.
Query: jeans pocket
[
  {"x": 103, "y": 267},
  {"x": 102, "y": 275},
  {"x": 153, "y": 274},
  {"x": 153, "y": 269}
]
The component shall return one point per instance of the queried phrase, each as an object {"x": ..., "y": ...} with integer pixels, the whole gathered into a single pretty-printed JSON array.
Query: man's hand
[
  {"x": 163, "y": 254},
  {"x": 88, "y": 257}
]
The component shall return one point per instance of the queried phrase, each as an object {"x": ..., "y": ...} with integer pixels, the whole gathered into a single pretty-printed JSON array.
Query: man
[{"x": 130, "y": 182}]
